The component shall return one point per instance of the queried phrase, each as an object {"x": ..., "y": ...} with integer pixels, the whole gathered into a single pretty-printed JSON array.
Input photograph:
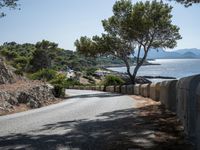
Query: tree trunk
[
  {"x": 132, "y": 78},
  {"x": 138, "y": 65}
]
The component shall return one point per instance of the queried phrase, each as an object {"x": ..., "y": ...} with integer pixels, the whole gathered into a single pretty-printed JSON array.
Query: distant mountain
[
  {"x": 177, "y": 54},
  {"x": 193, "y": 50}
]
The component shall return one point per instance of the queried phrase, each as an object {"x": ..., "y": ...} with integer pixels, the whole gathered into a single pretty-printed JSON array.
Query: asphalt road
[
  {"x": 49, "y": 127},
  {"x": 90, "y": 120}
]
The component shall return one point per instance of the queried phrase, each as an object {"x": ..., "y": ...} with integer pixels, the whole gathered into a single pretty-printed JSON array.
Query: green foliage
[
  {"x": 133, "y": 28},
  {"x": 112, "y": 80},
  {"x": 58, "y": 91},
  {"x": 11, "y": 4},
  {"x": 19, "y": 72},
  {"x": 21, "y": 63},
  {"x": 72, "y": 82},
  {"x": 43, "y": 55},
  {"x": 90, "y": 71},
  {"x": 187, "y": 3},
  {"x": 44, "y": 74},
  {"x": 59, "y": 79},
  {"x": 31, "y": 57},
  {"x": 59, "y": 85},
  {"x": 9, "y": 54}
]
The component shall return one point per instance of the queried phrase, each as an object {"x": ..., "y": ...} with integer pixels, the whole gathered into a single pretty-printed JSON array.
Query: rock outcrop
[
  {"x": 6, "y": 75},
  {"x": 32, "y": 93},
  {"x": 15, "y": 91}
]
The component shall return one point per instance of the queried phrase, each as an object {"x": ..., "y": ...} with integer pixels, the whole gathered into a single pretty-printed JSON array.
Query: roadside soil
[{"x": 168, "y": 130}]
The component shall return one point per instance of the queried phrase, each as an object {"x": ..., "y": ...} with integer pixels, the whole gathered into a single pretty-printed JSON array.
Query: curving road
[{"x": 87, "y": 120}]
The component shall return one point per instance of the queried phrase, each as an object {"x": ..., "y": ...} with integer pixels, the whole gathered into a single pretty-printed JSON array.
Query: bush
[
  {"x": 19, "y": 72},
  {"x": 90, "y": 71},
  {"x": 58, "y": 91},
  {"x": 72, "y": 82},
  {"x": 59, "y": 83},
  {"x": 44, "y": 74},
  {"x": 112, "y": 80}
]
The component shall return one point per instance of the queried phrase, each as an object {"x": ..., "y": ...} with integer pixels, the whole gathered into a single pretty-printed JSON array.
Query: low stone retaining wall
[
  {"x": 155, "y": 91},
  {"x": 179, "y": 96},
  {"x": 124, "y": 89},
  {"x": 168, "y": 94},
  {"x": 130, "y": 89},
  {"x": 110, "y": 89},
  {"x": 137, "y": 89},
  {"x": 145, "y": 90},
  {"x": 188, "y": 107}
]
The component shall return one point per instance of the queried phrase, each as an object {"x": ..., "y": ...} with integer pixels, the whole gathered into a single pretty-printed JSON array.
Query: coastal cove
[{"x": 177, "y": 68}]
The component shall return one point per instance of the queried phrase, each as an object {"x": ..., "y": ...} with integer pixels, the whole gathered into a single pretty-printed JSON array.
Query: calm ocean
[{"x": 168, "y": 67}]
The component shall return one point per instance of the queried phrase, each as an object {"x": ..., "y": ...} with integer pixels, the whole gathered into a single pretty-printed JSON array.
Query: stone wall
[
  {"x": 188, "y": 106},
  {"x": 168, "y": 94},
  {"x": 181, "y": 97}
]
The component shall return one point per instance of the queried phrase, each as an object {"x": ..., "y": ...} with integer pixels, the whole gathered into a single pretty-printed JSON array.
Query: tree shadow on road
[{"x": 150, "y": 127}]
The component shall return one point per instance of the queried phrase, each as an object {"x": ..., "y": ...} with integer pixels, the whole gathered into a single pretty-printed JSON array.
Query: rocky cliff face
[
  {"x": 32, "y": 93},
  {"x": 6, "y": 75},
  {"x": 14, "y": 92}
]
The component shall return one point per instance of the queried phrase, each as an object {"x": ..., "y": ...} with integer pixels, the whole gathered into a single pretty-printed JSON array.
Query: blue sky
[{"x": 63, "y": 21}]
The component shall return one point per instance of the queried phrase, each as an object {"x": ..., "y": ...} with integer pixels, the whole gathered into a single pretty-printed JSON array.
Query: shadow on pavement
[{"x": 149, "y": 127}]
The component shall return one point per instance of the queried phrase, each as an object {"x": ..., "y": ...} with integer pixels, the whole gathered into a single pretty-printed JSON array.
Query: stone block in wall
[
  {"x": 110, "y": 89},
  {"x": 130, "y": 89},
  {"x": 118, "y": 89},
  {"x": 188, "y": 107},
  {"x": 155, "y": 91},
  {"x": 124, "y": 89},
  {"x": 137, "y": 89},
  {"x": 145, "y": 90},
  {"x": 168, "y": 94}
]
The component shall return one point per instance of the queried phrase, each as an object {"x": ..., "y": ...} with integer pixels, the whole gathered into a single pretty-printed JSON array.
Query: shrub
[
  {"x": 72, "y": 82},
  {"x": 59, "y": 83},
  {"x": 112, "y": 80},
  {"x": 44, "y": 74},
  {"x": 59, "y": 79},
  {"x": 90, "y": 71},
  {"x": 58, "y": 91},
  {"x": 19, "y": 72}
]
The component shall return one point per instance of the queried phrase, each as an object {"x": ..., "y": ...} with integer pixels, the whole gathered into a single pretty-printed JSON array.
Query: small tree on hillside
[
  {"x": 132, "y": 29},
  {"x": 43, "y": 55}
]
